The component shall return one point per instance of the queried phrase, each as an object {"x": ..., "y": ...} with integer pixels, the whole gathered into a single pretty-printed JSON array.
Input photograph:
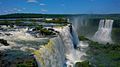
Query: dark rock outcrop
[{"x": 4, "y": 42}]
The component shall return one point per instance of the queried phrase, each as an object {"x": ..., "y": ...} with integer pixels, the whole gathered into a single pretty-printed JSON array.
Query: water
[
  {"x": 84, "y": 26},
  {"x": 20, "y": 39},
  {"x": 71, "y": 53},
  {"x": 58, "y": 52},
  {"x": 103, "y": 35},
  {"x": 69, "y": 39},
  {"x": 52, "y": 54}
]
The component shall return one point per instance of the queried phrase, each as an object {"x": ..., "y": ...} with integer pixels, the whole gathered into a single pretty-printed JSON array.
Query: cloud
[
  {"x": 24, "y": 8},
  {"x": 11, "y": 10},
  {"x": 15, "y": 8},
  {"x": 42, "y": 4},
  {"x": 19, "y": 10},
  {"x": 44, "y": 10},
  {"x": 32, "y": 1},
  {"x": 6, "y": 11}
]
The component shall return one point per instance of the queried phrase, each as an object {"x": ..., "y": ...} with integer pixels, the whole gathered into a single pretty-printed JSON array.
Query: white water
[
  {"x": 20, "y": 39},
  {"x": 52, "y": 54},
  {"x": 59, "y": 52},
  {"x": 72, "y": 55},
  {"x": 103, "y": 35}
]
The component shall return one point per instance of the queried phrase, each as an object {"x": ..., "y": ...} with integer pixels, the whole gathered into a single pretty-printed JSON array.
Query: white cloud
[
  {"x": 11, "y": 10},
  {"x": 43, "y": 10},
  {"x": 32, "y": 1},
  {"x": 42, "y": 4},
  {"x": 6, "y": 11},
  {"x": 19, "y": 10},
  {"x": 23, "y": 8},
  {"x": 15, "y": 8}
]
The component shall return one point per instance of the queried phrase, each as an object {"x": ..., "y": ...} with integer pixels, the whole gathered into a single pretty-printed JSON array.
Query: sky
[{"x": 60, "y": 6}]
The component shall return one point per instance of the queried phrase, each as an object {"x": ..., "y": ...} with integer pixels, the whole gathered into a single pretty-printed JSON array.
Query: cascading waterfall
[
  {"x": 52, "y": 54},
  {"x": 60, "y": 51},
  {"x": 71, "y": 54},
  {"x": 70, "y": 39},
  {"x": 103, "y": 35}
]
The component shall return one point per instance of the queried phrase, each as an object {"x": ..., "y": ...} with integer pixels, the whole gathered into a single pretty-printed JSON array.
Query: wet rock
[
  {"x": 4, "y": 42},
  {"x": 51, "y": 29},
  {"x": 8, "y": 34}
]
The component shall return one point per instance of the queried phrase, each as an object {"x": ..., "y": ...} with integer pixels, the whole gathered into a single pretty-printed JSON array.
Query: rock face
[
  {"x": 4, "y": 42},
  {"x": 16, "y": 59}
]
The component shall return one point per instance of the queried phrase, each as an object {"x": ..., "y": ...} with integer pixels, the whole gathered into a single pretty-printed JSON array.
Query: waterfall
[
  {"x": 71, "y": 54},
  {"x": 60, "y": 51},
  {"x": 103, "y": 35},
  {"x": 64, "y": 50},
  {"x": 51, "y": 54},
  {"x": 70, "y": 39}
]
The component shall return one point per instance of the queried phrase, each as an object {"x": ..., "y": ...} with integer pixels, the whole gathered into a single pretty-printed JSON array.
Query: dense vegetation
[
  {"x": 82, "y": 38},
  {"x": 107, "y": 55},
  {"x": 103, "y": 55},
  {"x": 31, "y": 15},
  {"x": 44, "y": 31},
  {"x": 116, "y": 35},
  {"x": 83, "y": 64}
]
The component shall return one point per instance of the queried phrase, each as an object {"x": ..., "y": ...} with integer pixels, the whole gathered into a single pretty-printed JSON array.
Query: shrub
[{"x": 82, "y": 64}]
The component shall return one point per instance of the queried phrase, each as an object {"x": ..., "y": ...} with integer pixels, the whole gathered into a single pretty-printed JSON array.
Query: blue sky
[{"x": 60, "y": 6}]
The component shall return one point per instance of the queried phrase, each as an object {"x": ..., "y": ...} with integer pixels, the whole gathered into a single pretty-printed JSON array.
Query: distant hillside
[{"x": 30, "y": 15}]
